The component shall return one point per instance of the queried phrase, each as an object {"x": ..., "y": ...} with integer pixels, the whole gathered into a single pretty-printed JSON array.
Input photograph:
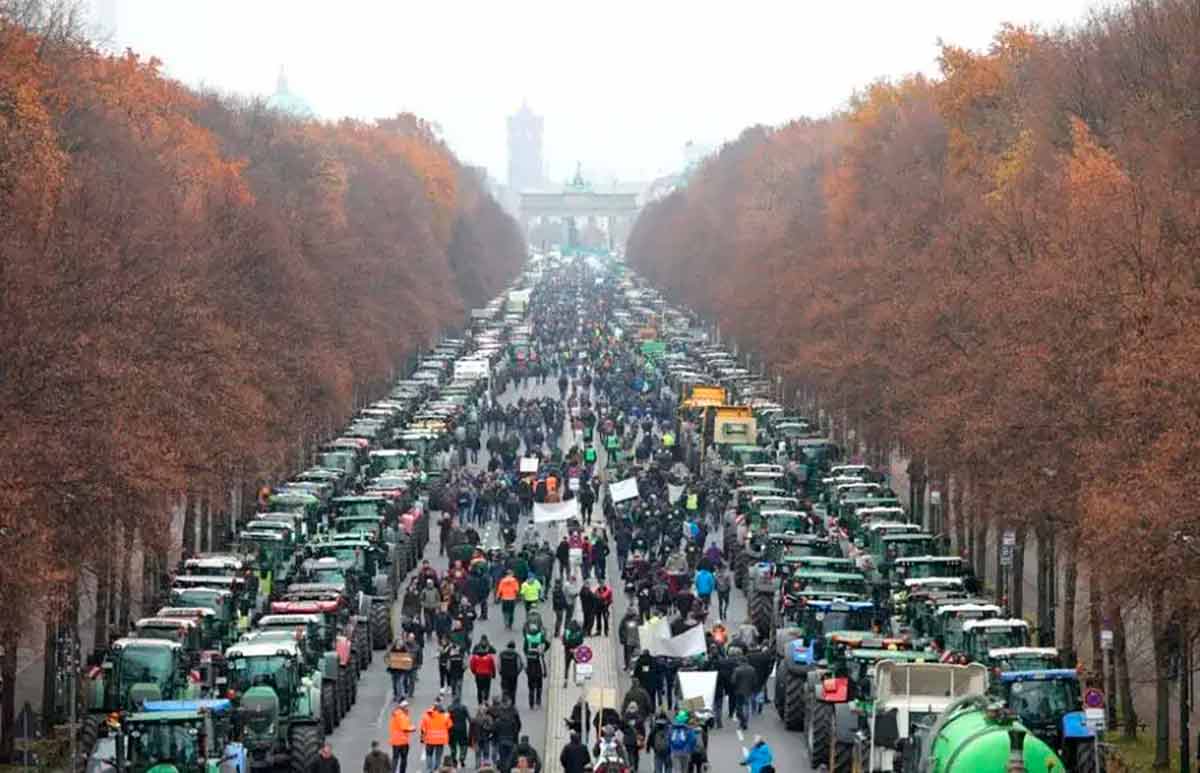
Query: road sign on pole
[
  {"x": 1010, "y": 538},
  {"x": 583, "y": 654},
  {"x": 1095, "y": 720},
  {"x": 1106, "y": 639},
  {"x": 1093, "y": 698},
  {"x": 1006, "y": 555}
]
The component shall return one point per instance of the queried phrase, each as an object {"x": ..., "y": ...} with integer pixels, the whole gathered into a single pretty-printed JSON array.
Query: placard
[
  {"x": 528, "y": 464},
  {"x": 551, "y": 512},
  {"x": 674, "y": 493},
  {"x": 623, "y": 489}
]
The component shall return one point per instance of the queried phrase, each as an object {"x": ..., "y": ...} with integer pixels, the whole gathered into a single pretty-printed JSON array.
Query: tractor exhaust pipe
[{"x": 1016, "y": 751}]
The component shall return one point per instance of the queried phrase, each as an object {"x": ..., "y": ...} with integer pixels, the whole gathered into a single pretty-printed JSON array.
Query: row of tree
[
  {"x": 997, "y": 270},
  {"x": 191, "y": 289}
]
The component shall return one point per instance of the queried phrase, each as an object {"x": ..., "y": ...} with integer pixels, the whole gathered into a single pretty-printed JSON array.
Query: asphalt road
[{"x": 369, "y": 718}]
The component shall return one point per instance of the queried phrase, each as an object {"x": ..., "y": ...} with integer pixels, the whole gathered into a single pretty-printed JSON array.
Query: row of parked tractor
[
  {"x": 890, "y": 655},
  {"x": 257, "y": 655}
]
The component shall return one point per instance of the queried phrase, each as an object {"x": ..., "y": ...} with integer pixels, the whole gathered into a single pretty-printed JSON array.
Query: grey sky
[{"x": 622, "y": 84}]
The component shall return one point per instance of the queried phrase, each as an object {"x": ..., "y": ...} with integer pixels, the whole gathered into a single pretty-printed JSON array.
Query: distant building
[
  {"x": 526, "y": 165},
  {"x": 285, "y": 101}
]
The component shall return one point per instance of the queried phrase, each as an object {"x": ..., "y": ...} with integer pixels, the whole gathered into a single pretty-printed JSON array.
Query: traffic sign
[
  {"x": 583, "y": 654},
  {"x": 1010, "y": 538},
  {"x": 1106, "y": 639},
  {"x": 1006, "y": 555},
  {"x": 1095, "y": 720},
  {"x": 583, "y": 672},
  {"x": 1093, "y": 698}
]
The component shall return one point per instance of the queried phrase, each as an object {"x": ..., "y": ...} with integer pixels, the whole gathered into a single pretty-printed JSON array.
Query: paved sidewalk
[{"x": 601, "y": 690}]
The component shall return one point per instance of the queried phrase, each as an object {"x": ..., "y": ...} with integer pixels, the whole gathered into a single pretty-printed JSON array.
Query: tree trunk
[
  {"x": 1070, "y": 580},
  {"x": 8, "y": 694},
  {"x": 1124, "y": 684},
  {"x": 1017, "y": 602},
  {"x": 189, "y": 528},
  {"x": 123, "y": 619},
  {"x": 103, "y": 604},
  {"x": 1162, "y": 686},
  {"x": 49, "y": 672}
]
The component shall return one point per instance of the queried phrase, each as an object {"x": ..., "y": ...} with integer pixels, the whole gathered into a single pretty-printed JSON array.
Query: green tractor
[
  {"x": 274, "y": 554},
  {"x": 838, "y": 684},
  {"x": 279, "y": 704},
  {"x": 340, "y": 631},
  {"x": 225, "y": 596},
  {"x": 368, "y": 562},
  {"x": 980, "y": 637},
  {"x": 134, "y": 671},
  {"x": 1024, "y": 658},
  {"x": 337, "y": 690},
  {"x": 189, "y": 736},
  {"x": 798, "y": 644},
  {"x": 371, "y": 619}
]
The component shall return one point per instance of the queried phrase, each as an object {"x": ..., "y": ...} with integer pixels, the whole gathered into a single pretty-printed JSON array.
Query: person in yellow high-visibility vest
[{"x": 668, "y": 439}]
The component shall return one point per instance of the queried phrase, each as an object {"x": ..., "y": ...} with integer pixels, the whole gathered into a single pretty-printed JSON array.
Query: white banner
[
  {"x": 674, "y": 493},
  {"x": 656, "y": 637},
  {"x": 698, "y": 684},
  {"x": 550, "y": 512},
  {"x": 623, "y": 489},
  {"x": 528, "y": 464}
]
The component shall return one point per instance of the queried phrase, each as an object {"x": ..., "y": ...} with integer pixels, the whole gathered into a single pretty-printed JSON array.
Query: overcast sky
[{"x": 622, "y": 84}]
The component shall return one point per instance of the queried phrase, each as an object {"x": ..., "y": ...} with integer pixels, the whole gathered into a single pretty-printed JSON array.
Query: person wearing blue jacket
[
  {"x": 706, "y": 582},
  {"x": 759, "y": 756}
]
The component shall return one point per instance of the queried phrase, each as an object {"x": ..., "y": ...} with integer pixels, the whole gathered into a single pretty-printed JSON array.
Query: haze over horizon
[{"x": 622, "y": 87}]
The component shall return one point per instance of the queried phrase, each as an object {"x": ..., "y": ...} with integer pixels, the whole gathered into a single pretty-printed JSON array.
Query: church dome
[{"x": 285, "y": 101}]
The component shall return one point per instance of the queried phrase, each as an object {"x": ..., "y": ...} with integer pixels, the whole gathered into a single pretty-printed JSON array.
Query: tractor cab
[
  {"x": 927, "y": 567},
  {"x": 744, "y": 494},
  {"x": 138, "y": 670},
  {"x": 298, "y": 527},
  {"x": 847, "y": 584},
  {"x": 278, "y": 702},
  {"x": 304, "y": 504},
  {"x": 816, "y": 617},
  {"x": 216, "y": 565},
  {"x": 338, "y": 573},
  {"x": 183, "y": 736},
  {"x": 980, "y": 637},
  {"x": 949, "y": 619},
  {"x": 1024, "y": 658},
  {"x": 1049, "y": 703},
  {"x": 203, "y": 617},
  {"x": 785, "y": 525},
  {"x": 178, "y": 629},
  {"x": 366, "y": 526},
  {"x": 221, "y": 601},
  {"x": 796, "y": 551}
]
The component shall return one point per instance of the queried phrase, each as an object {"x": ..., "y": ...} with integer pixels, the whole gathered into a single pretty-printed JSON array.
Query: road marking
[{"x": 383, "y": 710}]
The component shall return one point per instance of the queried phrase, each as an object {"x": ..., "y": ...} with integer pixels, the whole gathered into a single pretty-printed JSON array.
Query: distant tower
[
  {"x": 285, "y": 101},
  {"x": 525, "y": 164}
]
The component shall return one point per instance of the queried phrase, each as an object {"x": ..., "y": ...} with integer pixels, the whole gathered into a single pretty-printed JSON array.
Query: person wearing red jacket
[
  {"x": 604, "y": 599},
  {"x": 483, "y": 667}
]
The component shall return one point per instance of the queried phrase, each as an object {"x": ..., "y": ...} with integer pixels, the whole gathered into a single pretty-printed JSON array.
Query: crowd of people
[{"x": 614, "y": 419}]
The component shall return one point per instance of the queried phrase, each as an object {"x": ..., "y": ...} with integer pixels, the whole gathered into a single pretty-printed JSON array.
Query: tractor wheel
[
  {"x": 361, "y": 647},
  {"x": 793, "y": 699},
  {"x": 345, "y": 677},
  {"x": 328, "y": 709},
  {"x": 89, "y": 731},
  {"x": 761, "y": 612},
  {"x": 820, "y": 727},
  {"x": 741, "y": 567},
  {"x": 381, "y": 624},
  {"x": 781, "y": 682},
  {"x": 843, "y": 758},
  {"x": 1085, "y": 759},
  {"x": 304, "y": 746},
  {"x": 354, "y": 690}
]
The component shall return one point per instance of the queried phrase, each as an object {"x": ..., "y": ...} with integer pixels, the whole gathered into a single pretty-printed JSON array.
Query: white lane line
[{"x": 383, "y": 710}]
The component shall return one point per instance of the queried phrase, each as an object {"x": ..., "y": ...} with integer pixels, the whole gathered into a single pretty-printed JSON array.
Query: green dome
[{"x": 285, "y": 101}]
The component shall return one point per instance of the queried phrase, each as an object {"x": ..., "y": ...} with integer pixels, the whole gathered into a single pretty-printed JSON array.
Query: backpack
[
  {"x": 660, "y": 742},
  {"x": 574, "y": 637},
  {"x": 679, "y": 740},
  {"x": 723, "y": 583}
]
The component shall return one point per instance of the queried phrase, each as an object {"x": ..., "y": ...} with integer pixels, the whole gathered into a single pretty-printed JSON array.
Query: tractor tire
[
  {"x": 791, "y": 709},
  {"x": 361, "y": 646},
  {"x": 345, "y": 678},
  {"x": 762, "y": 608},
  {"x": 820, "y": 728},
  {"x": 381, "y": 626},
  {"x": 843, "y": 758},
  {"x": 741, "y": 568},
  {"x": 89, "y": 731},
  {"x": 328, "y": 708},
  {"x": 304, "y": 747},
  {"x": 1085, "y": 759}
]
